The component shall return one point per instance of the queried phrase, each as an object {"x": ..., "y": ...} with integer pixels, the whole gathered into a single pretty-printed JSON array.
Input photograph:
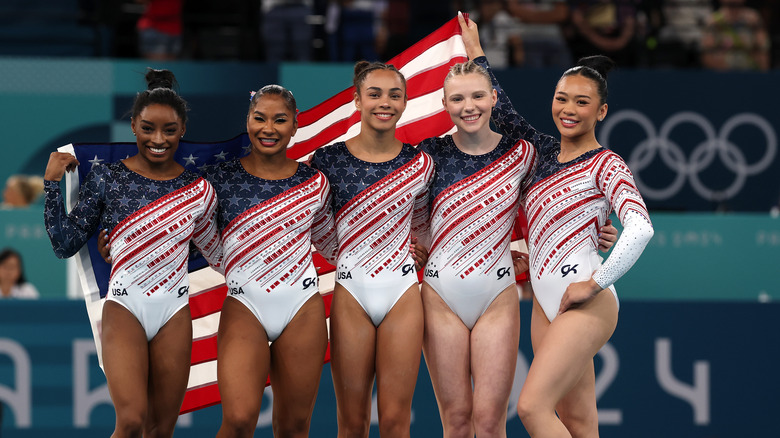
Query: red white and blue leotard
[
  {"x": 566, "y": 205},
  {"x": 151, "y": 224},
  {"x": 377, "y": 206},
  {"x": 268, "y": 227},
  {"x": 475, "y": 202}
]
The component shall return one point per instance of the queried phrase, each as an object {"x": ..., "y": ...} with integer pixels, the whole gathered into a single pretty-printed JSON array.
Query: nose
[
  {"x": 158, "y": 137},
  {"x": 268, "y": 126}
]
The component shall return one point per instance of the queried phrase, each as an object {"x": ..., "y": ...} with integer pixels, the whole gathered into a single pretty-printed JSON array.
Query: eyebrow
[
  {"x": 576, "y": 96},
  {"x": 379, "y": 89},
  {"x": 282, "y": 114},
  {"x": 152, "y": 123}
]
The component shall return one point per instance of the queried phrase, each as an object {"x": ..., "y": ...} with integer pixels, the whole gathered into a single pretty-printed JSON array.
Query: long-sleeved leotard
[
  {"x": 377, "y": 206},
  {"x": 268, "y": 227},
  {"x": 475, "y": 201},
  {"x": 566, "y": 204},
  {"x": 151, "y": 224}
]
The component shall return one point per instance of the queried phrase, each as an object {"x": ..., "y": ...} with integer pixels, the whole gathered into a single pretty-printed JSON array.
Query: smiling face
[
  {"x": 158, "y": 129},
  {"x": 576, "y": 108},
  {"x": 381, "y": 100},
  {"x": 469, "y": 100},
  {"x": 271, "y": 125}
]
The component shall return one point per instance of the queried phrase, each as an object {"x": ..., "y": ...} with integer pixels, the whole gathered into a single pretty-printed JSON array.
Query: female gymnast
[
  {"x": 271, "y": 209},
  {"x": 576, "y": 184},
  {"x": 471, "y": 304},
  {"x": 380, "y": 194},
  {"x": 154, "y": 208}
]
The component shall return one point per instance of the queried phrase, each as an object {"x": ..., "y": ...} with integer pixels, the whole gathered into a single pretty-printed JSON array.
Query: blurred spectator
[
  {"x": 160, "y": 30},
  {"x": 286, "y": 32},
  {"x": 21, "y": 191},
  {"x": 605, "y": 27},
  {"x": 12, "y": 281},
  {"x": 393, "y": 36},
  {"x": 735, "y": 38},
  {"x": 499, "y": 33},
  {"x": 352, "y": 27},
  {"x": 677, "y": 28},
  {"x": 541, "y": 32}
]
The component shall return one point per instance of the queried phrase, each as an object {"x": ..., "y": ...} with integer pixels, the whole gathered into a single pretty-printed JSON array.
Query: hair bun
[
  {"x": 602, "y": 64},
  {"x": 159, "y": 79}
]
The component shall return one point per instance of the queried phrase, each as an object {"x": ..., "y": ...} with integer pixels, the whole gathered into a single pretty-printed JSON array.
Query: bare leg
[
  {"x": 243, "y": 361},
  {"x": 447, "y": 355},
  {"x": 126, "y": 363},
  {"x": 563, "y": 351},
  {"x": 494, "y": 343},
  {"x": 577, "y": 410},
  {"x": 352, "y": 350},
  {"x": 170, "y": 352},
  {"x": 399, "y": 345},
  {"x": 296, "y": 365}
]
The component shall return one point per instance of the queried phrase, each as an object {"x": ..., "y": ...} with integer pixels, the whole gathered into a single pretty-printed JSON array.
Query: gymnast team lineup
[{"x": 379, "y": 210}]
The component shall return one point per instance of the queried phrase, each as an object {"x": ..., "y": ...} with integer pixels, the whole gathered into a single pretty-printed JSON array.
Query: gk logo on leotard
[
  {"x": 343, "y": 276},
  {"x": 183, "y": 290},
  {"x": 309, "y": 282},
  {"x": 118, "y": 292},
  {"x": 432, "y": 273},
  {"x": 236, "y": 291},
  {"x": 503, "y": 272},
  {"x": 565, "y": 269},
  {"x": 407, "y": 269}
]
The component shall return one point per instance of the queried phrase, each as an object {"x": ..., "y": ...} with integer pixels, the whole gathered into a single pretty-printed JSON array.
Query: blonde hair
[
  {"x": 465, "y": 68},
  {"x": 29, "y": 187}
]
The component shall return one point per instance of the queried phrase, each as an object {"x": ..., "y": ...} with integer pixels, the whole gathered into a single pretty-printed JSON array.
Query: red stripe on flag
[
  {"x": 199, "y": 398},
  {"x": 204, "y": 349},
  {"x": 207, "y": 302}
]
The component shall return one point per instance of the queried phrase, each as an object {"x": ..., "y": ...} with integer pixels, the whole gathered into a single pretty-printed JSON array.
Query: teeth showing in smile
[
  {"x": 158, "y": 150},
  {"x": 384, "y": 116},
  {"x": 568, "y": 121},
  {"x": 268, "y": 141},
  {"x": 471, "y": 118}
]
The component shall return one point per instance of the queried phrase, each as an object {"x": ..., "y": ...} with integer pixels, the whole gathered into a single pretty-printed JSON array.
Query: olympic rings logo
[{"x": 702, "y": 156}]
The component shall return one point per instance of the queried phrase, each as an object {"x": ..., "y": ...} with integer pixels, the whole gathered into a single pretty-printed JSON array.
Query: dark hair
[
  {"x": 275, "y": 90},
  {"x": 160, "y": 84},
  {"x": 596, "y": 69},
  {"x": 5, "y": 254},
  {"x": 363, "y": 68}
]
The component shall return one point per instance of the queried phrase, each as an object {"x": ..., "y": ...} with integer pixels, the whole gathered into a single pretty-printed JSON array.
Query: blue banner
[{"x": 682, "y": 369}]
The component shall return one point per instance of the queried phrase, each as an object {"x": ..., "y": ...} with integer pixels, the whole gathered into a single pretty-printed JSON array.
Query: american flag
[{"x": 424, "y": 65}]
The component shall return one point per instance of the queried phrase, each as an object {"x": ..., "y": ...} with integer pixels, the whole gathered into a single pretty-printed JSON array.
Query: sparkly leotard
[
  {"x": 151, "y": 224},
  {"x": 566, "y": 205},
  {"x": 475, "y": 202},
  {"x": 268, "y": 227},
  {"x": 377, "y": 206}
]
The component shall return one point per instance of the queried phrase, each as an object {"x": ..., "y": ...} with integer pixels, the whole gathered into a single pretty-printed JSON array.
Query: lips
[
  {"x": 268, "y": 141},
  {"x": 471, "y": 118},
  {"x": 383, "y": 116},
  {"x": 157, "y": 151},
  {"x": 568, "y": 123}
]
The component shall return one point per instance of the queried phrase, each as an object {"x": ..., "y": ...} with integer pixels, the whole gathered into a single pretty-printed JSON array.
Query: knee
[
  {"x": 490, "y": 420},
  {"x": 291, "y": 427},
  {"x": 239, "y": 423},
  {"x": 353, "y": 426},
  {"x": 457, "y": 421},
  {"x": 130, "y": 424},
  {"x": 395, "y": 422},
  {"x": 527, "y": 409}
]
